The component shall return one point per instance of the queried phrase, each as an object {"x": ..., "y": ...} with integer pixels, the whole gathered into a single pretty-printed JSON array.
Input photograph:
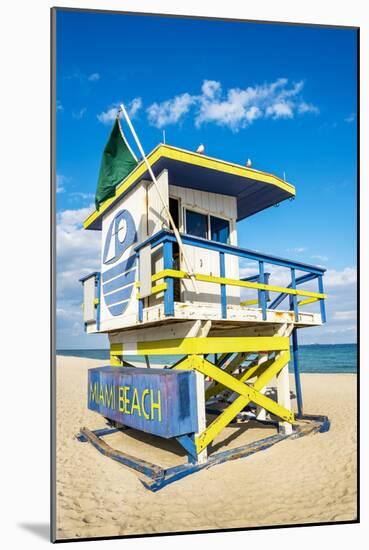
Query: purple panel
[{"x": 157, "y": 401}]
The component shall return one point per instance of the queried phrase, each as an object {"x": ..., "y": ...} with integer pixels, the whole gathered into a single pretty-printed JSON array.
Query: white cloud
[
  {"x": 60, "y": 183},
  {"x": 78, "y": 253},
  {"x": 108, "y": 116},
  {"x": 134, "y": 106},
  {"x": 79, "y": 113},
  {"x": 345, "y": 315},
  {"x": 66, "y": 313},
  {"x": 170, "y": 111},
  {"x": 280, "y": 110},
  {"x": 307, "y": 108},
  {"x": 335, "y": 279},
  {"x": 350, "y": 118},
  {"x": 211, "y": 88},
  {"x": 236, "y": 108},
  {"x": 93, "y": 77},
  {"x": 340, "y": 286},
  {"x": 343, "y": 330},
  {"x": 80, "y": 195}
]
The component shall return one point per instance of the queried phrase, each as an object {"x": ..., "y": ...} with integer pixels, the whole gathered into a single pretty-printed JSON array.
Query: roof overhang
[{"x": 254, "y": 190}]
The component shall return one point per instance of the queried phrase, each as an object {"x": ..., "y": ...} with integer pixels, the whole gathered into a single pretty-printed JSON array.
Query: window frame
[{"x": 208, "y": 215}]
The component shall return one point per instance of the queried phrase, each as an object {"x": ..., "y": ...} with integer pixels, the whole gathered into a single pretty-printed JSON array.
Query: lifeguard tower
[{"x": 231, "y": 334}]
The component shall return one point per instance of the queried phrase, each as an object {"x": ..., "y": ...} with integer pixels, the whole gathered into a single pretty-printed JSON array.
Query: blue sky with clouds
[{"x": 283, "y": 96}]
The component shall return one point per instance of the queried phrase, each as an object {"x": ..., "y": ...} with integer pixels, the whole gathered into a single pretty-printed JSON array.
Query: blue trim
[
  {"x": 322, "y": 302},
  {"x": 262, "y": 293},
  {"x": 299, "y": 281},
  {"x": 99, "y": 433},
  {"x": 160, "y": 477},
  {"x": 130, "y": 236},
  {"x": 223, "y": 291},
  {"x": 122, "y": 267},
  {"x": 140, "y": 309},
  {"x": 295, "y": 352},
  {"x": 82, "y": 279},
  {"x": 294, "y": 304},
  {"x": 188, "y": 444},
  {"x": 119, "y": 282},
  {"x": 150, "y": 470},
  {"x": 322, "y": 420},
  {"x": 169, "y": 292},
  {"x": 306, "y": 278},
  {"x": 312, "y": 272},
  {"x": 164, "y": 234},
  {"x": 256, "y": 279},
  {"x": 118, "y": 309},
  {"x": 179, "y": 472},
  {"x": 120, "y": 296},
  {"x": 98, "y": 296}
]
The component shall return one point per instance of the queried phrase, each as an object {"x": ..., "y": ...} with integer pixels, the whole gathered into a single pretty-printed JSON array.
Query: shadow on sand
[{"x": 42, "y": 530}]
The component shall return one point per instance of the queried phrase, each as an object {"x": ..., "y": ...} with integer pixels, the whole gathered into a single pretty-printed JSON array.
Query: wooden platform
[{"x": 237, "y": 317}]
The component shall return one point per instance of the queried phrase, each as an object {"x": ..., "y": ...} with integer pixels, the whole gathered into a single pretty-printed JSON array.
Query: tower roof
[{"x": 254, "y": 190}]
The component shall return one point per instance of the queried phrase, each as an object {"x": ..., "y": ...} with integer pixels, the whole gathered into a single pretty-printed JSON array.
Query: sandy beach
[{"x": 312, "y": 479}]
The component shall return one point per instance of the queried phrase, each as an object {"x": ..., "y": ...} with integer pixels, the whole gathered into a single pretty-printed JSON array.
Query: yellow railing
[{"x": 176, "y": 274}]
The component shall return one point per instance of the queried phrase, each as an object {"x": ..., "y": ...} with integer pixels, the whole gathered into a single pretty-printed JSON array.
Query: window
[
  {"x": 196, "y": 224},
  {"x": 219, "y": 230},
  {"x": 207, "y": 227}
]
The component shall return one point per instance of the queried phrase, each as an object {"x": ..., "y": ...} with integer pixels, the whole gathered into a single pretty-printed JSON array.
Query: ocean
[{"x": 321, "y": 358}]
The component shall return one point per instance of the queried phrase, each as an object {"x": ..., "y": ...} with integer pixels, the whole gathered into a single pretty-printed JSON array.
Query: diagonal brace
[{"x": 247, "y": 394}]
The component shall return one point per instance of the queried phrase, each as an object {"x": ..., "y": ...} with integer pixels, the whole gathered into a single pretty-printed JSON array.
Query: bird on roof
[
  {"x": 200, "y": 149},
  {"x": 248, "y": 163}
]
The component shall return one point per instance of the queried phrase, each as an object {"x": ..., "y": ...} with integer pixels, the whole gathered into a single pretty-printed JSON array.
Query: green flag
[{"x": 117, "y": 162}]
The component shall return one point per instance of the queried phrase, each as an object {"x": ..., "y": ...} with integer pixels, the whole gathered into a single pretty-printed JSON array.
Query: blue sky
[{"x": 283, "y": 96}]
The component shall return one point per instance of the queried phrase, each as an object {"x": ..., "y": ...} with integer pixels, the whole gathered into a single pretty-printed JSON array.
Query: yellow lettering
[
  {"x": 126, "y": 400},
  {"x": 135, "y": 402},
  {"x": 155, "y": 406},
  {"x": 145, "y": 413},
  {"x": 101, "y": 395},
  {"x": 93, "y": 392},
  {"x": 121, "y": 399},
  {"x": 109, "y": 397}
]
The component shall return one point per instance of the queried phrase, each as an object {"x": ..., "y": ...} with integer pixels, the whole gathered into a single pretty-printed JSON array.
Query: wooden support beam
[
  {"x": 284, "y": 398},
  {"x": 196, "y": 346},
  {"x": 254, "y": 370},
  {"x": 308, "y": 301},
  {"x": 246, "y": 394},
  {"x": 230, "y": 367},
  {"x": 260, "y": 411}
]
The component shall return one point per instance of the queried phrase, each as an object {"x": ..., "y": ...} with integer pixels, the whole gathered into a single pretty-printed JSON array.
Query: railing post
[
  {"x": 322, "y": 303},
  {"x": 98, "y": 296},
  {"x": 140, "y": 309},
  {"x": 294, "y": 296},
  {"x": 223, "y": 292},
  {"x": 169, "y": 292},
  {"x": 140, "y": 301},
  {"x": 296, "y": 368},
  {"x": 262, "y": 293}
]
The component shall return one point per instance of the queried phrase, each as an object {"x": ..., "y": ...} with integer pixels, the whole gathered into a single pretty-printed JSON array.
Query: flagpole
[{"x": 175, "y": 230}]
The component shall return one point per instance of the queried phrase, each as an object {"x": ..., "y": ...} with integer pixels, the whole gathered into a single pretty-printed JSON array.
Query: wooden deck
[{"x": 238, "y": 317}]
